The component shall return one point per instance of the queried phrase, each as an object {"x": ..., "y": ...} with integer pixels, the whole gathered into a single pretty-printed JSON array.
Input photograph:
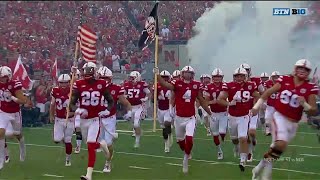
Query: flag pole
[
  {"x": 74, "y": 64},
  {"x": 155, "y": 92}
]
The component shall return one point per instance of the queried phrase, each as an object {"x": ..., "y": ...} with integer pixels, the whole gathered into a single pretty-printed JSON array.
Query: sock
[
  {"x": 219, "y": 148},
  {"x": 253, "y": 141},
  {"x": 22, "y": 148},
  {"x": 216, "y": 140},
  {"x": 68, "y": 147},
  {"x": 222, "y": 136},
  {"x": 261, "y": 165},
  {"x": 89, "y": 172},
  {"x": 6, "y": 151},
  {"x": 267, "y": 172},
  {"x": 137, "y": 139},
  {"x": 165, "y": 134},
  {"x": 2, "y": 144},
  {"x": 91, "y": 154},
  {"x": 189, "y": 144},
  {"x": 182, "y": 144},
  {"x": 78, "y": 138},
  {"x": 243, "y": 157}
]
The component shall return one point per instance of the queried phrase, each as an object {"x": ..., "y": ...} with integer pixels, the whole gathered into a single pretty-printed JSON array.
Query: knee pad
[
  {"x": 273, "y": 154},
  {"x": 78, "y": 136}
]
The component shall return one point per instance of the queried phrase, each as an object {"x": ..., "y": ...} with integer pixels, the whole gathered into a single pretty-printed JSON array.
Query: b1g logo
[{"x": 289, "y": 11}]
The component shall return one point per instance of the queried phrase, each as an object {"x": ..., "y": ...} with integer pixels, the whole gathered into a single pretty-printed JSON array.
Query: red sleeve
[
  {"x": 121, "y": 91},
  {"x": 17, "y": 86},
  {"x": 314, "y": 89}
]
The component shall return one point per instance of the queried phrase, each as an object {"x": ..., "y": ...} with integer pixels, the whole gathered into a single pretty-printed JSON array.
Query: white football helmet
[
  {"x": 275, "y": 73},
  {"x": 104, "y": 72},
  {"x": 264, "y": 75},
  {"x": 240, "y": 71},
  {"x": 134, "y": 76},
  {"x": 5, "y": 71},
  {"x": 165, "y": 73},
  {"x": 187, "y": 69},
  {"x": 217, "y": 72},
  {"x": 247, "y": 68},
  {"x": 304, "y": 63},
  {"x": 89, "y": 69},
  {"x": 64, "y": 78},
  {"x": 176, "y": 73}
]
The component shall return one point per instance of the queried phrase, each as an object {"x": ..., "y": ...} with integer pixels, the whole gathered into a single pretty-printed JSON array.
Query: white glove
[
  {"x": 7, "y": 95},
  {"x": 232, "y": 103},
  {"x": 172, "y": 111},
  {"x": 237, "y": 98},
  {"x": 144, "y": 99},
  {"x": 155, "y": 70},
  {"x": 82, "y": 112},
  {"x": 128, "y": 115},
  {"x": 104, "y": 113}
]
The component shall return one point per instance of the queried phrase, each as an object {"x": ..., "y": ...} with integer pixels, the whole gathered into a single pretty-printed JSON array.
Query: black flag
[{"x": 151, "y": 29}]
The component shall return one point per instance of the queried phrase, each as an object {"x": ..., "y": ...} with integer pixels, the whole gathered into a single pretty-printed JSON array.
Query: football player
[
  {"x": 296, "y": 95},
  {"x": 11, "y": 96},
  {"x": 205, "y": 79},
  {"x": 219, "y": 123},
  {"x": 63, "y": 127},
  {"x": 239, "y": 94},
  {"x": 89, "y": 91},
  {"x": 186, "y": 92},
  {"x": 253, "y": 119},
  {"x": 164, "y": 118},
  {"x": 270, "y": 102},
  {"x": 109, "y": 121},
  {"x": 175, "y": 76},
  {"x": 137, "y": 92}
]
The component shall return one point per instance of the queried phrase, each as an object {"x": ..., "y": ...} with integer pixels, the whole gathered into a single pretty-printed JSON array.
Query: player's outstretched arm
[
  {"x": 256, "y": 96},
  {"x": 203, "y": 103},
  {"x": 165, "y": 83},
  {"x": 275, "y": 88},
  {"x": 123, "y": 100},
  {"x": 222, "y": 99},
  {"x": 107, "y": 96}
]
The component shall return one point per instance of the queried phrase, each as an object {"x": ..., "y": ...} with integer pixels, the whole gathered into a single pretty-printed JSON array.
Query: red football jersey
[
  {"x": 213, "y": 91},
  {"x": 185, "y": 97},
  {"x": 271, "y": 100},
  {"x": 163, "y": 94},
  {"x": 8, "y": 89},
  {"x": 91, "y": 95},
  {"x": 242, "y": 91},
  {"x": 61, "y": 96},
  {"x": 287, "y": 103},
  {"x": 115, "y": 91},
  {"x": 135, "y": 92},
  {"x": 256, "y": 80}
]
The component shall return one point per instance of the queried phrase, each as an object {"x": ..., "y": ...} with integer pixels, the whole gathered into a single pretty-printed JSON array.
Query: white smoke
[{"x": 262, "y": 42}]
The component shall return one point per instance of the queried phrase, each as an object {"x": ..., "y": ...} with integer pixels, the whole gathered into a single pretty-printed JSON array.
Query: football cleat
[
  {"x": 241, "y": 166},
  {"x": 7, "y": 159},
  {"x": 77, "y": 150},
  {"x": 107, "y": 167},
  {"x": 136, "y": 145},
  {"x": 85, "y": 178},
  {"x": 68, "y": 163},
  {"x": 220, "y": 155},
  {"x": 250, "y": 157}
]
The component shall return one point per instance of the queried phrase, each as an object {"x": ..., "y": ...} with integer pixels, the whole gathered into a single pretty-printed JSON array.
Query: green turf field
[{"x": 44, "y": 158}]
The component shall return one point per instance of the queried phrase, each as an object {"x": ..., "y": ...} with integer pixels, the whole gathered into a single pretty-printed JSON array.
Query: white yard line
[
  {"x": 98, "y": 171},
  {"x": 137, "y": 167},
  {"x": 52, "y": 175},
  {"x": 168, "y": 157},
  {"x": 310, "y": 155},
  {"x": 173, "y": 164}
]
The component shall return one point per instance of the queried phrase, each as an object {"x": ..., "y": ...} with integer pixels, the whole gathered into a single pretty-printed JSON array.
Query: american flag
[{"x": 87, "y": 40}]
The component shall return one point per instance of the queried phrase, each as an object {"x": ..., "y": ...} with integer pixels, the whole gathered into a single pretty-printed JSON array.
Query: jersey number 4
[
  {"x": 163, "y": 96},
  {"x": 187, "y": 96}
]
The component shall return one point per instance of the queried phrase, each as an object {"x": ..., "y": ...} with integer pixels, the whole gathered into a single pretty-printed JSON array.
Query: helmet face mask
[
  {"x": 217, "y": 79},
  {"x": 240, "y": 75},
  {"x": 302, "y": 72},
  {"x": 274, "y": 77},
  {"x": 5, "y": 74},
  {"x": 64, "y": 80}
]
